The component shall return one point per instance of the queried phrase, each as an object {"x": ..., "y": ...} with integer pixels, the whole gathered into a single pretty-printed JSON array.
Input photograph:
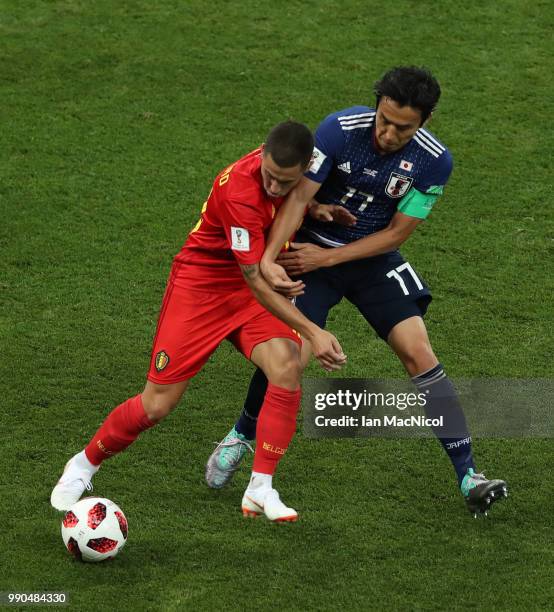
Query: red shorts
[{"x": 193, "y": 323}]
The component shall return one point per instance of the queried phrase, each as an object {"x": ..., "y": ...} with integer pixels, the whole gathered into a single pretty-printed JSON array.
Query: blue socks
[
  {"x": 246, "y": 424},
  {"x": 442, "y": 400}
]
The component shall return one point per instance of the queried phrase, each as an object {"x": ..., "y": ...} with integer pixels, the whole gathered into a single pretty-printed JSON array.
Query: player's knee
[
  {"x": 417, "y": 356},
  {"x": 160, "y": 400},
  {"x": 286, "y": 373},
  {"x": 158, "y": 406}
]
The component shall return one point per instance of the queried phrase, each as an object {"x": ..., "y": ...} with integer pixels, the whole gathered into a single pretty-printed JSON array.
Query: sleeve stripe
[
  {"x": 361, "y": 115},
  {"x": 355, "y": 127},
  {"x": 427, "y": 137},
  {"x": 354, "y": 121},
  {"x": 425, "y": 146}
]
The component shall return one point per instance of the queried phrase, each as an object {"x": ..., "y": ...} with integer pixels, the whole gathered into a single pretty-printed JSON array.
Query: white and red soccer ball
[{"x": 94, "y": 529}]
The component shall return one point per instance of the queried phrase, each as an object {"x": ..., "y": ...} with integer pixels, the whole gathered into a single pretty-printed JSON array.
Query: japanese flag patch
[{"x": 240, "y": 239}]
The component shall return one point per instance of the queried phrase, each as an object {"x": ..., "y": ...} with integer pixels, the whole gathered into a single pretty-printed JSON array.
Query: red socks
[
  {"x": 275, "y": 430},
  {"x": 276, "y": 427},
  {"x": 121, "y": 428}
]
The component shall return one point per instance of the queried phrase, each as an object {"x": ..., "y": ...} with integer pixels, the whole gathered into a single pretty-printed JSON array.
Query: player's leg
[
  {"x": 323, "y": 291},
  {"x": 229, "y": 453},
  {"x": 124, "y": 424},
  {"x": 279, "y": 359},
  {"x": 187, "y": 319},
  {"x": 121, "y": 428},
  {"x": 245, "y": 426},
  {"x": 274, "y": 347},
  {"x": 410, "y": 342},
  {"x": 394, "y": 302}
]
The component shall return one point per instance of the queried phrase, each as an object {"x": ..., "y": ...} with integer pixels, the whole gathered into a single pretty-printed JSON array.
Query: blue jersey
[{"x": 371, "y": 186}]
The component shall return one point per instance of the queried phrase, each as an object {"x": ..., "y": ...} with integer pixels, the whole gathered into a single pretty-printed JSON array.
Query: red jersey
[{"x": 231, "y": 231}]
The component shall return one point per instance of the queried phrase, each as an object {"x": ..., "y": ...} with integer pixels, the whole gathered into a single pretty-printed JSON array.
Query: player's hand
[
  {"x": 279, "y": 281},
  {"x": 327, "y": 350},
  {"x": 332, "y": 213},
  {"x": 305, "y": 258}
]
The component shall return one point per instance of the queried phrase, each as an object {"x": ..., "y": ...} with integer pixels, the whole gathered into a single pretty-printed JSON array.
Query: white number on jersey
[
  {"x": 351, "y": 192},
  {"x": 396, "y": 274}
]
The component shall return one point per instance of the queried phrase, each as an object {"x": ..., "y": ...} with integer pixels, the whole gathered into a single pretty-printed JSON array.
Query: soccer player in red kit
[{"x": 215, "y": 292}]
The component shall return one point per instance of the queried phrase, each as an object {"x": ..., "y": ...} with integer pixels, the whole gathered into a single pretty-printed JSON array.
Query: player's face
[
  {"x": 395, "y": 125},
  {"x": 279, "y": 181}
]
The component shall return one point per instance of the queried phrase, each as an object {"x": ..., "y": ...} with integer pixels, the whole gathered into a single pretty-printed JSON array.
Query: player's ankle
[
  {"x": 258, "y": 480},
  {"x": 84, "y": 463}
]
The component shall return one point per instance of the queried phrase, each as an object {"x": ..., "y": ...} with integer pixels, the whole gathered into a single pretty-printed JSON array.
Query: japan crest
[{"x": 398, "y": 185}]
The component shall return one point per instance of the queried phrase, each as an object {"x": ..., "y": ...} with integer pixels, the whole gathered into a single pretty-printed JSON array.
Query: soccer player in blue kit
[{"x": 375, "y": 176}]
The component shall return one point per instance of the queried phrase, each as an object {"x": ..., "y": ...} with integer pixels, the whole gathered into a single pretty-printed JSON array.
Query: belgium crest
[{"x": 162, "y": 359}]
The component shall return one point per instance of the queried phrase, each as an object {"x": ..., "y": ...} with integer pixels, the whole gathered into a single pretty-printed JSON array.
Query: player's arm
[
  {"x": 389, "y": 239},
  {"x": 286, "y": 222},
  {"x": 289, "y": 217},
  {"x": 325, "y": 346},
  {"x": 329, "y": 140},
  {"x": 307, "y": 256}
]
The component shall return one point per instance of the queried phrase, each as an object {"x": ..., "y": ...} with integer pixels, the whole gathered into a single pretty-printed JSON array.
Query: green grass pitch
[{"x": 116, "y": 116}]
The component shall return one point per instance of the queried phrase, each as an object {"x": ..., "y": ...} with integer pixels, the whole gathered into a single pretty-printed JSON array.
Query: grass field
[{"x": 116, "y": 116}]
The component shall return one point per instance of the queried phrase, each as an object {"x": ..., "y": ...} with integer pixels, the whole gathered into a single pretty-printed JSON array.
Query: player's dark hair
[
  {"x": 410, "y": 86},
  {"x": 290, "y": 143}
]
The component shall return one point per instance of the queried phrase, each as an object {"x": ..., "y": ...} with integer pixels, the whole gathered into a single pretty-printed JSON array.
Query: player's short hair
[
  {"x": 290, "y": 143},
  {"x": 410, "y": 86}
]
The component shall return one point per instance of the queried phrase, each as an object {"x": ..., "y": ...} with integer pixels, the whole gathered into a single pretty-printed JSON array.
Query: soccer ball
[{"x": 94, "y": 529}]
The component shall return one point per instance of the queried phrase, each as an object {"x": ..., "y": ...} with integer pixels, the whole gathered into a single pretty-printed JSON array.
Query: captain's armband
[{"x": 417, "y": 204}]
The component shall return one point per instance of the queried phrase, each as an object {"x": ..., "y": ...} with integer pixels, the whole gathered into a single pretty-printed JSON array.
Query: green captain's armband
[{"x": 418, "y": 204}]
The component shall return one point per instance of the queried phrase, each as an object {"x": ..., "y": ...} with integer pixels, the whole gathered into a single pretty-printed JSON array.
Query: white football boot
[
  {"x": 265, "y": 500},
  {"x": 76, "y": 477}
]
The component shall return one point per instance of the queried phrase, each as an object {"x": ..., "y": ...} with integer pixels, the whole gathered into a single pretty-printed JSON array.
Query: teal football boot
[{"x": 226, "y": 458}]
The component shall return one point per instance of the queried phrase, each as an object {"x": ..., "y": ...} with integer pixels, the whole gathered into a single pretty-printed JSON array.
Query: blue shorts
[{"x": 385, "y": 289}]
